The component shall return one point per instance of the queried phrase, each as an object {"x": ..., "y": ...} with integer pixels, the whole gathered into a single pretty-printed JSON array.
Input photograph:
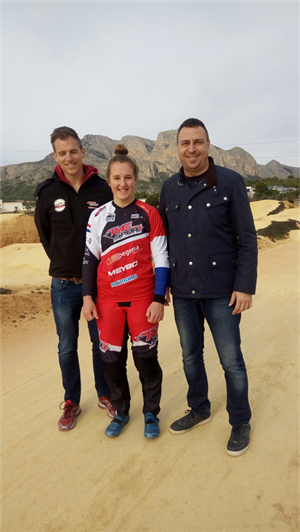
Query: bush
[
  {"x": 153, "y": 199},
  {"x": 278, "y": 230},
  {"x": 5, "y": 291},
  {"x": 278, "y": 209}
]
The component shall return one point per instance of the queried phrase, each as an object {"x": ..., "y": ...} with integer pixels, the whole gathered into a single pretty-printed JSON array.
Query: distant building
[
  {"x": 250, "y": 191},
  {"x": 11, "y": 206},
  {"x": 281, "y": 189}
]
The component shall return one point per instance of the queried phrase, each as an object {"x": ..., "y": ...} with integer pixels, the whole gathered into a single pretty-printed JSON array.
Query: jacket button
[
  {"x": 190, "y": 263},
  {"x": 208, "y": 205},
  {"x": 189, "y": 235},
  {"x": 214, "y": 263},
  {"x": 193, "y": 292},
  {"x": 225, "y": 198},
  {"x": 190, "y": 207}
]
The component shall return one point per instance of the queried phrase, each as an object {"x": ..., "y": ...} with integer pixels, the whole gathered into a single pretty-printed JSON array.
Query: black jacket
[
  {"x": 61, "y": 217},
  {"x": 211, "y": 235}
]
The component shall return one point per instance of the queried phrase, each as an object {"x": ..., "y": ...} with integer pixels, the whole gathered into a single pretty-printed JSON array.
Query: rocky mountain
[
  {"x": 153, "y": 157},
  {"x": 280, "y": 170}
]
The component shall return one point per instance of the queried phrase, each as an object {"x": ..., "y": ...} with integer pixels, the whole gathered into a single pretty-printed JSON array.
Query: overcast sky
[{"x": 139, "y": 68}]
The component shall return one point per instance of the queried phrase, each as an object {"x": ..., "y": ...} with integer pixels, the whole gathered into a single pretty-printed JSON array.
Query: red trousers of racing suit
[{"x": 113, "y": 317}]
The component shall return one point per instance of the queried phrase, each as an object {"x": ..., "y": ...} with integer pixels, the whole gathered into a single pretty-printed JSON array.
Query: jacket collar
[
  {"x": 88, "y": 170},
  {"x": 210, "y": 174}
]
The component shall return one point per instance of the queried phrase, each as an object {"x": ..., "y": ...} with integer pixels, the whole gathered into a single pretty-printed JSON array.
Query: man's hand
[
  {"x": 167, "y": 297},
  {"x": 155, "y": 312},
  {"x": 242, "y": 302},
  {"x": 89, "y": 308}
]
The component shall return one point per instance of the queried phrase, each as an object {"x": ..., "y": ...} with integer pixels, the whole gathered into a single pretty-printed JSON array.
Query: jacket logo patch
[
  {"x": 59, "y": 205},
  {"x": 110, "y": 217},
  {"x": 92, "y": 204},
  {"x": 135, "y": 216}
]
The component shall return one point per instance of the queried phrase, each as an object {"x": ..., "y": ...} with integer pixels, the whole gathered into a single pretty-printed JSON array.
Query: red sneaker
[
  {"x": 67, "y": 420},
  {"x": 104, "y": 403}
]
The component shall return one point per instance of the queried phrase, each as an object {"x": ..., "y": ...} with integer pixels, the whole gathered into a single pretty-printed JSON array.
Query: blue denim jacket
[{"x": 211, "y": 235}]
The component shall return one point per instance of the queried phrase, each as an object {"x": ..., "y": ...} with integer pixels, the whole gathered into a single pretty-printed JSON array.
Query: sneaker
[
  {"x": 151, "y": 426},
  {"x": 188, "y": 422},
  {"x": 116, "y": 425},
  {"x": 68, "y": 419},
  {"x": 105, "y": 404},
  {"x": 238, "y": 442}
]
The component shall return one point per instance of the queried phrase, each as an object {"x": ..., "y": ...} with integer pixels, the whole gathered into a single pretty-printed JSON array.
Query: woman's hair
[{"x": 121, "y": 156}]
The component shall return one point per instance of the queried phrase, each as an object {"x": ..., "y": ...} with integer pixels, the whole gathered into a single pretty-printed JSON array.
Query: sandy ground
[{"x": 82, "y": 481}]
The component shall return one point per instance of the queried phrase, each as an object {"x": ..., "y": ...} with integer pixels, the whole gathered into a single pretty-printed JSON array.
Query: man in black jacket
[
  {"x": 213, "y": 266},
  {"x": 63, "y": 206}
]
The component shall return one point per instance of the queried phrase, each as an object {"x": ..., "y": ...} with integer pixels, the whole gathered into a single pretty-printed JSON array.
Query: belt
[{"x": 76, "y": 280}]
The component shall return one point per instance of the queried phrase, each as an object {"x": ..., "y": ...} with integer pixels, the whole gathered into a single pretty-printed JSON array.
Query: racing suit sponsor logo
[
  {"x": 110, "y": 217},
  {"x": 59, "y": 205},
  {"x": 99, "y": 210},
  {"x": 148, "y": 337},
  {"x": 124, "y": 280},
  {"x": 123, "y": 268},
  {"x": 103, "y": 346},
  {"x": 123, "y": 231},
  {"x": 135, "y": 216},
  {"x": 125, "y": 253}
]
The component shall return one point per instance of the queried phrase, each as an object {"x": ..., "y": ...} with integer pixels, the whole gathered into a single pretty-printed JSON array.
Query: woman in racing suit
[{"x": 124, "y": 238}]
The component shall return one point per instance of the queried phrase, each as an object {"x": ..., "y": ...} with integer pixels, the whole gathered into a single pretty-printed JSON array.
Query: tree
[
  {"x": 153, "y": 199},
  {"x": 261, "y": 188}
]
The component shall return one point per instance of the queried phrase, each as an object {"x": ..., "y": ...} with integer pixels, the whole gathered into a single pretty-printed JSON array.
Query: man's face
[
  {"x": 193, "y": 148},
  {"x": 69, "y": 155}
]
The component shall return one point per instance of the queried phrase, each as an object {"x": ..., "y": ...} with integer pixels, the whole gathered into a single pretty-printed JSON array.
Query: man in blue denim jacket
[{"x": 213, "y": 259}]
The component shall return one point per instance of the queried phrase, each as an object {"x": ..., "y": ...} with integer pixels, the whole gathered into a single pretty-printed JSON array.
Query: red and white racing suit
[{"x": 121, "y": 246}]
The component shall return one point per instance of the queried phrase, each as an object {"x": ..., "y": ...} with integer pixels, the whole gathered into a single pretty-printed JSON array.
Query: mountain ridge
[{"x": 153, "y": 157}]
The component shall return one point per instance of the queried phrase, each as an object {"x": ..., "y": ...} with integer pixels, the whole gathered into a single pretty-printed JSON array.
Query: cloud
[{"x": 138, "y": 68}]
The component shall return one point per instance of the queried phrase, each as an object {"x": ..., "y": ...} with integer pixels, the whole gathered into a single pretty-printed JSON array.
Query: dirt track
[{"x": 84, "y": 482}]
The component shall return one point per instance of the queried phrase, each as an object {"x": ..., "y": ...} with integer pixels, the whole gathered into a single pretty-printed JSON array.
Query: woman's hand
[{"x": 155, "y": 312}]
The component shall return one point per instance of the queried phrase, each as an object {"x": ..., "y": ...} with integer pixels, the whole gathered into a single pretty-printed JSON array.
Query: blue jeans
[
  {"x": 189, "y": 316},
  {"x": 66, "y": 297}
]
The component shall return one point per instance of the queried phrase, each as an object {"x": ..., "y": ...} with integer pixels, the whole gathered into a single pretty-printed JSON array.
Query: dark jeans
[
  {"x": 189, "y": 317},
  {"x": 67, "y": 303}
]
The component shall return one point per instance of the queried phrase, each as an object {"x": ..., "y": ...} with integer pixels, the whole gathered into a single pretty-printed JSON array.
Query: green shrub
[{"x": 279, "y": 230}]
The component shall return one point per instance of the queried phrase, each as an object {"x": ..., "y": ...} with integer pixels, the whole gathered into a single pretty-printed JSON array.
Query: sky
[{"x": 139, "y": 68}]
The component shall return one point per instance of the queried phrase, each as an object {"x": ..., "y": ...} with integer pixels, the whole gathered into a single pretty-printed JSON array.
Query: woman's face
[{"x": 122, "y": 182}]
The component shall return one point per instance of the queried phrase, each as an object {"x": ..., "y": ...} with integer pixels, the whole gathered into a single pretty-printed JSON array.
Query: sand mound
[
  {"x": 184, "y": 483},
  {"x": 17, "y": 228},
  {"x": 261, "y": 212},
  {"x": 24, "y": 273}
]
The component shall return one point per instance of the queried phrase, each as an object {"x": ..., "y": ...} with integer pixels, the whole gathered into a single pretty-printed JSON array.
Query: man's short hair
[
  {"x": 192, "y": 122},
  {"x": 62, "y": 133}
]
